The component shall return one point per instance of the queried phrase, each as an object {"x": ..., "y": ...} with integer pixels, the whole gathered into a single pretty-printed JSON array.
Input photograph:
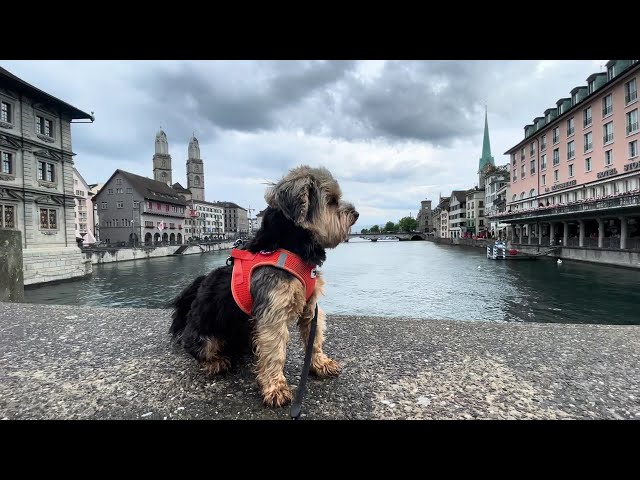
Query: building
[
  {"x": 133, "y": 208},
  {"x": 441, "y": 217},
  {"x": 37, "y": 194},
  {"x": 94, "y": 188},
  {"x": 457, "y": 214},
  {"x": 236, "y": 221},
  {"x": 195, "y": 170},
  {"x": 496, "y": 187},
  {"x": 83, "y": 212},
  {"x": 259, "y": 218},
  {"x": 575, "y": 177},
  {"x": 205, "y": 221},
  {"x": 162, "y": 171},
  {"x": 475, "y": 211},
  {"x": 486, "y": 160},
  {"x": 424, "y": 217}
]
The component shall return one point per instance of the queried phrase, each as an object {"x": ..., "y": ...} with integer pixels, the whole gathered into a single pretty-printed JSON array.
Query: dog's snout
[{"x": 356, "y": 215}]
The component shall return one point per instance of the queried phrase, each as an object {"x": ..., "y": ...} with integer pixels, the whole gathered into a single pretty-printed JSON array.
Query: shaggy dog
[{"x": 305, "y": 216}]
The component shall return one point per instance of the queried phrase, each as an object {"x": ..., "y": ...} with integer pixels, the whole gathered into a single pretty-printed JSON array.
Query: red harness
[{"x": 244, "y": 262}]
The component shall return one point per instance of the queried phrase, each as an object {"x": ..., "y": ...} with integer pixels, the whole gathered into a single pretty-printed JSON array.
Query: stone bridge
[{"x": 374, "y": 237}]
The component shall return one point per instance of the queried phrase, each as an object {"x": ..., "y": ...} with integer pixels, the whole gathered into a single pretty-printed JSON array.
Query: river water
[{"x": 394, "y": 279}]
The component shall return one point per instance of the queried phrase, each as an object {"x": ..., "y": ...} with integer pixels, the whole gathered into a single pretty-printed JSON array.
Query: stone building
[
  {"x": 236, "y": 221},
  {"x": 83, "y": 212},
  {"x": 37, "y": 195},
  {"x": 424, "y": 219}
]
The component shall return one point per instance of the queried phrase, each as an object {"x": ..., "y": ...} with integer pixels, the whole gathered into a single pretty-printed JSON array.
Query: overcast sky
[{"x": 392, "y": 132}]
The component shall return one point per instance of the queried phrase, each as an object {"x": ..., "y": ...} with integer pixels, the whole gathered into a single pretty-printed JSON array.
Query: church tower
[
  {"x": 486, "y": 158},
  {"x": 195, "y": 170},
  {"x": 162, "y": 159}
]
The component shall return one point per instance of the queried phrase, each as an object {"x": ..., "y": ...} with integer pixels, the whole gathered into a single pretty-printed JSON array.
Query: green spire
[{"x": 486, "y": 145}]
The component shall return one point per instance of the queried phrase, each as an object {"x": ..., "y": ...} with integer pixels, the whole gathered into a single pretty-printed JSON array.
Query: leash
[{"x": 296, "y": 406}]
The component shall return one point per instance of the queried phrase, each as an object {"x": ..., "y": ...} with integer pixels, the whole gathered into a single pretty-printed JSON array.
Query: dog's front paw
[
  {"x": 325, "y": 367},
  {"x": 277, "y": 395},
  {"x": 216, "y": 366}
]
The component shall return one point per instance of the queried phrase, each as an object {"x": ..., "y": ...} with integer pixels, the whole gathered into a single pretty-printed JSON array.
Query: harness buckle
[{"x": 229, "y": 261}]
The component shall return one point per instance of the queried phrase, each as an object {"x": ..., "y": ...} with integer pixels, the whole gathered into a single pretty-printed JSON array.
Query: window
[
  {"x": 556, "y": 156},
  {"x": 571, "y": 150},
  {"x": 607, "y": 105},
  {"x": 607, "y": 133},
  {"x": 48, "y": 219},
  {"x": 119, "y": 190},
  {"x": 588, "y": 141},
  {"x": 7, "y": 112},
  {"x": 118, "y": 181},
  {"x": 555, "y": 175},
  {"x": 570, "y": 126},
  {"x": 7, "y": 163},
  {"x": 571, "y": 170},
  {"x": 556, "y": 135},
  {"x": 522, "y": 171},
  {"x": 129, "y": 190},
  {"x": 608, "y": 157},
  {"x": 611, "y": 72},
  {"x": 44, "y": 126},
  {"x": 574, "y": 98},
  {"x": 632, "y": 122},
  {"x": 587, "y": 118},
  {"x": 46, "y": 171},
  {"x": 136, "y": 205},
  {"x": 560, "y": 109},
  {"x": 543, "y": 143},
  {"x": 110, "y": 191},
  {"x": 7, "y": 216},
  {"x": 120, "y": 204},
  {"x": 630, "y": 92},
  {"x": 592, "y": 86},
  {"x": 533, "y": 167},
  {"x": 103, "y": 205},
  {"x": 587, "y": 164},
  {"x": 532, "y": 149},
  {"x": 514, "y": 158},
  {"x": 633, "y": 149},
  {"x": 522, "y": 154},
  {"x": 543, "y": 162}
]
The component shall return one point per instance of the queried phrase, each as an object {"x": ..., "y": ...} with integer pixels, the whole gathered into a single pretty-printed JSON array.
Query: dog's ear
[{"x": 292, "y": 196}]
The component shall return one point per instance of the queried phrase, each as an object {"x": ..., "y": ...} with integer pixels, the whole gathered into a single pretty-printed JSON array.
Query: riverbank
[
  {"x": 124, "y": 254},
  {"x": 64, "y": 362}
]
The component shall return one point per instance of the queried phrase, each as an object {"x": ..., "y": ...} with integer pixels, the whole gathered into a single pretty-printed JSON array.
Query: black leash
[{"x": 296, "y": 406}]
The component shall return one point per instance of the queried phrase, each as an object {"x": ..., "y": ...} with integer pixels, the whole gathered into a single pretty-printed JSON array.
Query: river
[{"x": 394, "y": 279}]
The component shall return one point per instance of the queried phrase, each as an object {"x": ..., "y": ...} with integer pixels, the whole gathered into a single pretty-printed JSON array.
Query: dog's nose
[{"x": 356, "y": 215}]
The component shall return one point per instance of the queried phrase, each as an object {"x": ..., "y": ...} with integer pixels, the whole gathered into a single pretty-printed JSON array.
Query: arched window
[
  {"x": 522, "y": 196},
  {"x": 532, "y": 193},
  {"x": 515, "y": 197},
  {"x": 196, "y": 181},
  {"x": 164, "y": 163}
]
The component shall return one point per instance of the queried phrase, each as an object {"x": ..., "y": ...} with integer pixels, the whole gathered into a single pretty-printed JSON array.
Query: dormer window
[
  {"x": 592, "y": 86},
  {"x": 574, "y": 98},
  {"x": 611, "y": 72},
  {"x": 560, "y": 109}
]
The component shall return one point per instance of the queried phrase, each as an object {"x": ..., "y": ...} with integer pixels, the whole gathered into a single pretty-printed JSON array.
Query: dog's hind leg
[
  {"x": 211, "y": 356},
  {"x": 279, "y": 305},
  {"x": 321, "y": 364}
]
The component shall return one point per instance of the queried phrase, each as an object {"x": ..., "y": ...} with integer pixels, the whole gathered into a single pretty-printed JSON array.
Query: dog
[{"x": 305, "y": 215}]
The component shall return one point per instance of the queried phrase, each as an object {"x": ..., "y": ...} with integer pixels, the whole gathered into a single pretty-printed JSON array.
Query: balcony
[
  {"x": 588, "y": 147},
  {"x": 607, "y": 110},
  {"x": 608, "y": 138},
  {"x": 605, "y": 204},
  {"x": 632, "y": 128},
  {"x": 587, "y": 122},
  {"x": 630, "y": 97},
  {"x": 570, "y": 131}
]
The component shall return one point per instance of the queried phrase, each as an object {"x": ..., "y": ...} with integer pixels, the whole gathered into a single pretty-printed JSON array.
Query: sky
[{"x": 393, "y": 133}]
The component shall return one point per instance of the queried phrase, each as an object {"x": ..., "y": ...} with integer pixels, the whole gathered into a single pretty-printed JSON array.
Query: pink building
[
  {"x": 575, "y": 177},
  {"x": 83, "y": 210}
]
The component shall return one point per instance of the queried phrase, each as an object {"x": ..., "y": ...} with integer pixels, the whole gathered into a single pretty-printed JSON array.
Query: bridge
[{"x": 403, "y": 236}]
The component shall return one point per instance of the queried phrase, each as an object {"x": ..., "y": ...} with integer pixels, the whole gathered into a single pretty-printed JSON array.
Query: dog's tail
[{"x": 181, "y": 305}]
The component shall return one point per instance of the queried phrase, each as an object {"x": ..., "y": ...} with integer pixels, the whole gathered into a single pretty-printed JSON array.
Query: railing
[
  {"x": 630, "y": 97},
  {"x": 607, "y": 138},
  {"x": 570, "y": 131},
  {"x": 588, "y": 147},
  {"x": 625, "y": 200},
  {"x": 633, "y": 127},
  {"x": 587, "y": 122},
  {"x": 607, "y": 110}
]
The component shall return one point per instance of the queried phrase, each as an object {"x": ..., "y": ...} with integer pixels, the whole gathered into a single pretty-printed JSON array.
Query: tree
[
  {"x": 364, "y": 230},
  {"x": 390, "y": 227},
  {"x": 407, "y": 224},
  {"x": 374, "y": 229}
]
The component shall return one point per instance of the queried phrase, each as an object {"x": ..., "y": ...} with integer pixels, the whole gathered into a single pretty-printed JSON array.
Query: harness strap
[{"x": 296, "y": 406}]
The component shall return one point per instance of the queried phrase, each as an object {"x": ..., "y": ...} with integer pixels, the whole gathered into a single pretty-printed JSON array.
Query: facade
[
  {"x": 496, "y": 187},
  {"x": 134, "y": 209},
  {"x": 83, "y": 211},
  {"x": 442, "y": 217},
  {"x": 205, "y": 221},
  {"x": 37, "y": 194},
  {"x": 259, "y": 218},
  {"x": 94, "y": 188},
  {"x": 457, "y": 214},
  {"x": 424, "y": 217},
  {"x": 195, "y": 171},
  {"x": 575, "y": 177},
  {"x": 236, "y": 221},
  {"x": 475, "y": 199},
  {"x": 162, "y": 160}
]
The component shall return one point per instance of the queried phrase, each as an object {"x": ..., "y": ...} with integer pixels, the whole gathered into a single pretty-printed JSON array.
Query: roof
[
  {"x": 148, "y": 188},
  {"x": 228, "y": 205},
  {"x": 213, "y": 204},
  {"x": 180, "y": 189},
  {"x": 460, "y": 195},
  {"x": 262, "y": 212},
  {"x": 9, "y": 78}
]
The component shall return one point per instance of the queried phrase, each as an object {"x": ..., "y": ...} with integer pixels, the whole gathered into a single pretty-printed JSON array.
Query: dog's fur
[{"x": 305, "y": 215}]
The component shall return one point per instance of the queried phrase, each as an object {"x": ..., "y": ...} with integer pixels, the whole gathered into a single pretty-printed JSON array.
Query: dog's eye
[{"x": 333, "y": 201}]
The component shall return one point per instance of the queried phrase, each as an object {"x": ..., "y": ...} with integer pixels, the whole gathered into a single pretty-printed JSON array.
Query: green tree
[
  {"x": 364, "y": 230},
  {"x": 390, "y": 227},
  {"x": 408, "y": 224},
  {"x": 374, "y": 229}
]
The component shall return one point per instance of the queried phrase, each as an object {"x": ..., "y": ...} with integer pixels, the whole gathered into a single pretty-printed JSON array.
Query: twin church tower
[{"x": 195, "y": 166}]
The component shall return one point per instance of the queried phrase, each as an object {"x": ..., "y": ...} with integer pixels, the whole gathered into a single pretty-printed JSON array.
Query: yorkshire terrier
[{"x": 272, "y": 283}]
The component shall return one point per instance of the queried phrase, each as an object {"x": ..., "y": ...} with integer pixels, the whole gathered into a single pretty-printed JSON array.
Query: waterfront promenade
[{"x": 68, "y": 362}]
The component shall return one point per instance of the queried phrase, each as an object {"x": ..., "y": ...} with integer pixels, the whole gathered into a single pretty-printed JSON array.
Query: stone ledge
[{"x": 61, "y": 362}]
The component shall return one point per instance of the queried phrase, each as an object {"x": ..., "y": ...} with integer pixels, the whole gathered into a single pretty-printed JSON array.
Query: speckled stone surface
[{"x": 60, "y": 362}]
